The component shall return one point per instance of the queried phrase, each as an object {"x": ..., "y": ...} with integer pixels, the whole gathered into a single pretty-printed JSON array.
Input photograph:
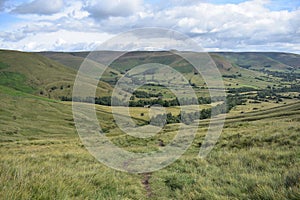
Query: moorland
[{"x": 256, "y": 157}]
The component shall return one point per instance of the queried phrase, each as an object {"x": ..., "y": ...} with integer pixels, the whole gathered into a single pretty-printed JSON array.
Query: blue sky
[{"x": 217, "y": 25}]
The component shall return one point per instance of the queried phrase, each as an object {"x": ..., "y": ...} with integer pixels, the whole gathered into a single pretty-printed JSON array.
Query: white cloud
[
  {"x": 106, "y": 8},
  {"x": 231, "y": 26},
  {"x": 40, "y": 7},
  {"x": 61, "y": 40},
  {"x": 245, "y": 26}
]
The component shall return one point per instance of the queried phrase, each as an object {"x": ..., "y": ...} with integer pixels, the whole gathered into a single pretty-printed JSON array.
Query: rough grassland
[{"x": 43, "y": 158}]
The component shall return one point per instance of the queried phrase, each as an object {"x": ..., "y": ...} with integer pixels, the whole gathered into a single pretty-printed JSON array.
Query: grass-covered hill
[
  {"x": 35, "y": 74},
  {"x": 42, "y": 157},
  {"x": 246, "y": 69},
  {"x": 267, "y": 60},
  {"x": 255, "y": 60},
  {"x": 256, "y": 157}
]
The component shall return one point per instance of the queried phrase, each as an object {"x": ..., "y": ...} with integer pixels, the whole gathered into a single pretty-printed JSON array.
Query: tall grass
[{"x": 41, "y": 157}]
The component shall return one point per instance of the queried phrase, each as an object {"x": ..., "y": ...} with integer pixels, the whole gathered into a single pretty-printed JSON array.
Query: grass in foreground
[{"x": 41, "y": 157}]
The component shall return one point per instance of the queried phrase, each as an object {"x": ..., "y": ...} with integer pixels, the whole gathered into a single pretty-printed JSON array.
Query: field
[
  {"x": 48, "y": 160},
  {"x": 42, "y": 157}
]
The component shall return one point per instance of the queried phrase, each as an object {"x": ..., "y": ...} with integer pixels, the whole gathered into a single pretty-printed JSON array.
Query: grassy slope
[
  {"x": 224, "y": 65},
  {"x": 37, "y": 69},
  {"x": 285, "y": 58},
  {"x": 277, "y": 61},
  {"x": 41, "y": 157},
  {"x": 67, "y": 59},
  {"x": 248, "y": 161},
  {"x": 36, "y": 74},
  {"x": 227, "y": 63},
  {"x": 72, "y": 60}
]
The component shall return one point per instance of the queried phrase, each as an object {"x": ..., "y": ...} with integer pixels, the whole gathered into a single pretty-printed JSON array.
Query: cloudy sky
[{"x": 217, "y": 25}]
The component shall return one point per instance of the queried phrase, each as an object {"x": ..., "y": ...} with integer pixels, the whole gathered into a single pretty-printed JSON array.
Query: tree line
[
  {"x": 190, "y": 117},
  {"x": 107, "y": 101}
]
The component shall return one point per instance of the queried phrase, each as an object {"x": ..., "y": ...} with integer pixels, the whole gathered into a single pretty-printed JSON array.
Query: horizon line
[{"x": 85, "y": 51}]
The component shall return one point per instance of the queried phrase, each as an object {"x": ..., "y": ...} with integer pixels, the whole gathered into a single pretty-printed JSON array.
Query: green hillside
[
  {"x": 238, "y": 69},
  {"x": 261, "y": 60},
  {"x": 289, "y": 59},
  {"x": 256, "y": 156},
  {"x": 259, "y": 149},
  {"x": 39, "y": 75}
]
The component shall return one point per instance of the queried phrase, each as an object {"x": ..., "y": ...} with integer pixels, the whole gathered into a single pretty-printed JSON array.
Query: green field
[{"x": 42, "y": 157}]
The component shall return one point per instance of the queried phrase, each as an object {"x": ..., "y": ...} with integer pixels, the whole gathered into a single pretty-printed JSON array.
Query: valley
[{"x": 256, "y": 157}]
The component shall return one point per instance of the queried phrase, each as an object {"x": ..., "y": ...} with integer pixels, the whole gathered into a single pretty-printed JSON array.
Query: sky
[{"x": 216, "y": 25}]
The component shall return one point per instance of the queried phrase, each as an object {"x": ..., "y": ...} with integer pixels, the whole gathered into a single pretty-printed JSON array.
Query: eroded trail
[{"x": 146, "y": 183}]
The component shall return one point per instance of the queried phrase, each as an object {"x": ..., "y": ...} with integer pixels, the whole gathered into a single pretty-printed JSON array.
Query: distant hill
[
  {"x": 52, "y": 74},
  {"x": 239, "y": 69},
  {"x": 75, "y": 59},
  {"x": 264, "y": 60},
  {"x": 251, "y": 60},
  {"x": 290, "y": 59},
  {"x": 36, "y": 74}
]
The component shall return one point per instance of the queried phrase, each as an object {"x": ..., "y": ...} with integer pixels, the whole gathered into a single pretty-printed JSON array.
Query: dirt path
[{"x": 145, "y": 182}]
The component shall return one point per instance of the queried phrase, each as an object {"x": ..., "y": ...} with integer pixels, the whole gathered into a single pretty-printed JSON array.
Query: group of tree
[
  {"x": 108, "y": 101},
  {"x": 272, "y": 93},
  {"x": 231, "y": 75},
  {"x": 190, "y": 117},
  {"x": 184, "y": 117},
  {"x": 292, "y": 88},
  {"x": 241, "y": 90},
  {"x": 144, "y": 94},
  {"x": 170, "y": 102},
  {"x": 285, "y": 76}
]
